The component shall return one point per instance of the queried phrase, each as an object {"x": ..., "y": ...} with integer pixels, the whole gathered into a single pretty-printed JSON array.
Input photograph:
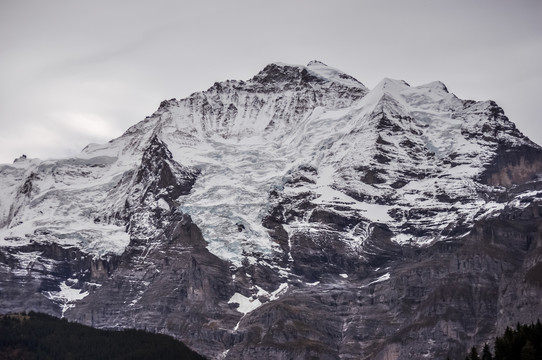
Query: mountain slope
[{"x": 292, "y": 214}]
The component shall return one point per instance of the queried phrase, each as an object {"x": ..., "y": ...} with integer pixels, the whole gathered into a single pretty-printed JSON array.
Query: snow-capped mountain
[{"x": 236, "y": 218}]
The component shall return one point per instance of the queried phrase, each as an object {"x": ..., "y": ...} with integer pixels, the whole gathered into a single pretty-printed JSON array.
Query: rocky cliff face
[{"x": 294, "y": 215}]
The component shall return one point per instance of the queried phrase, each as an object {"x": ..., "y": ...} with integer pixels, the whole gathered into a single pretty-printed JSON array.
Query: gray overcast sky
[{"x": 75, "y": 72}]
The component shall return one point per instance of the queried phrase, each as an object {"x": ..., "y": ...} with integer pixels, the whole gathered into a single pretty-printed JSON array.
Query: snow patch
[
  {"x": 66, "y": 296},
  {"x": 249, "y": 304},
  {"x": 246, "y": 304},
  {"x": 379, "y": 279}
]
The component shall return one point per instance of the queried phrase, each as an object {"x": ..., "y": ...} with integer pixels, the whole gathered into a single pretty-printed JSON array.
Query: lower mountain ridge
[
  {"x": 41, "y": 336},
  {"x": 297, "y": 214}
]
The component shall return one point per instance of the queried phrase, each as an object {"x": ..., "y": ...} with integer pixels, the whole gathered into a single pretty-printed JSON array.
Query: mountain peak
[
  {"x": 20, "y": 158},
  {"x": 434, "y": 85},
  {"x": 315, "y": 62},
  {"x": 280, "y": 76},
  {"x": 389, "y": 83},
  {"x": 316, "y": 72}
]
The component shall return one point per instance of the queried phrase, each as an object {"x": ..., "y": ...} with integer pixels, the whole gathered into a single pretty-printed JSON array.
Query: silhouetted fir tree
[
  {"x": 486, "y": 353},
  {"x": 528, "y": 351},
  {"x": 473, "y": 355},
  {"x": 523, "y": 343}
]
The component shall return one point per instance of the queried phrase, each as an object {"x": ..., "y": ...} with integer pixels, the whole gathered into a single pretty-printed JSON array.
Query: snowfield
[{"x": 397, "y": 155}]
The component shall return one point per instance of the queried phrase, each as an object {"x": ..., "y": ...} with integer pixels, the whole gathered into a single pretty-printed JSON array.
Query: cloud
[
  {"x": 83, "y": 125},
  {"x": 85, "y": 69}
]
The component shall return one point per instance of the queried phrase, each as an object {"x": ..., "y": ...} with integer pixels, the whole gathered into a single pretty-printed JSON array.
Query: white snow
[
  {"x": 246, "y": 304},
  {"x": 26, "y": 261},
  {"x": 249, "y": 304},
  {"x": 225, "y": 352},
  {"x": 232, "y": 189},
  {"x": 96, "y": 239},
  {"x": 162, "y": 204},
  {"x": 279, "y": 292},
  {"x": 245, "y": 153},
  {"x": 379, "y": 279},
  {"x": 240, "y": 168},
  {"x": 403, "y": 238},
  {"x": 332, "y": 74},
  {"x": 66, "y": 296},
  {"x": 63, "y": 200}
]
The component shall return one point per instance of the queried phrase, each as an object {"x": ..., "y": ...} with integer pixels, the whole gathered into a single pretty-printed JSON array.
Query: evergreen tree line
[
  {"x": 523, "y": 343},
  {"x": 40, "y": 336}
]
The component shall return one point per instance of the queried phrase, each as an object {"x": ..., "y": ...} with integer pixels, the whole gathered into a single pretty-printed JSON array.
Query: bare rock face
[
  {"x": 514, "y": 166},
  {"x": 172, "y": 285},
  {"x": 407, "y": 302},
  {"x": 295, "y": 215}
]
